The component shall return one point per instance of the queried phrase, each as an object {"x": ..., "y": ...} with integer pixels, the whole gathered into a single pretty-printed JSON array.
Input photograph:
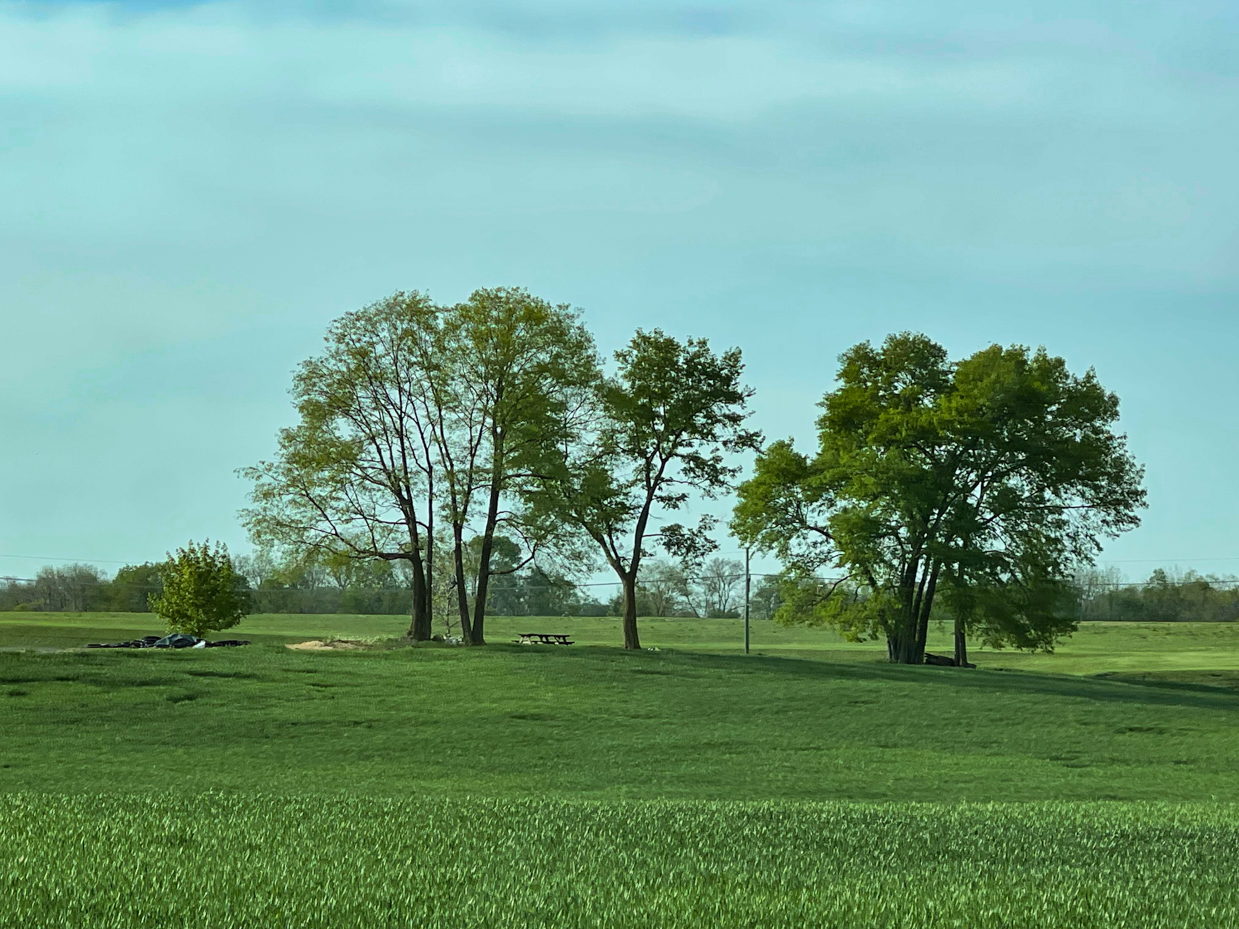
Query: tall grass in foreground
[{"x": 245, "y": 860}]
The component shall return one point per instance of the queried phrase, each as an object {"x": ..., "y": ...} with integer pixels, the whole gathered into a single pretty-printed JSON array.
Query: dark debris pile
[{"x": 175, "y": 640}]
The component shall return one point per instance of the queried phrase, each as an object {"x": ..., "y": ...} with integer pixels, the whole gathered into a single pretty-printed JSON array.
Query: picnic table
[{"x": 542, "y": 638}]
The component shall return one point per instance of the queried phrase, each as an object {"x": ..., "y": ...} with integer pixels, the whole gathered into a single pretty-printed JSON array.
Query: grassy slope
[
  {"x": 659, "y": 788},
  {"x": 1117, "y": 648},
  {"x": 594, "y": 722}
]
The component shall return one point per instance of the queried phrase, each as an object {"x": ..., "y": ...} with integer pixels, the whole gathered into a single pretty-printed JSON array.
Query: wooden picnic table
[{"x": 542, "y": 638}]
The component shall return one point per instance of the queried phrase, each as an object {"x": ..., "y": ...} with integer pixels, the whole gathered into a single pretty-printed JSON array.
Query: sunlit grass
[{"x": 246, "y": 860}]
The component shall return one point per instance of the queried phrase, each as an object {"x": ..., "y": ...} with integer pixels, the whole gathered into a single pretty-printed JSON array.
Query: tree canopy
[
  {"x": 415, "y": 415},
  {"x": 661, "y": 428},
  {"x": 991, "y": 478},
  {"x": 201, "y": 591}
]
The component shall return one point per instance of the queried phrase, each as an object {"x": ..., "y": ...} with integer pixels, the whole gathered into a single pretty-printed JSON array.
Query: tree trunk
[
  {"x": 462, "y": 593},
  {"x": 906, "y": 643},
  {"x": 629, "y": 583},
  {"x": 901, "y": 648},
  {"x": 922, "y": 621},
  {"x": 419, "y": 627},
  {"x": 961, "y": 643},
  {"x": 488, "y": 546}
]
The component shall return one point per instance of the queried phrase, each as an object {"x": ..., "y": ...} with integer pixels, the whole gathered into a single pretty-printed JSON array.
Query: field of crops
[{"x": 220, "y": 860}]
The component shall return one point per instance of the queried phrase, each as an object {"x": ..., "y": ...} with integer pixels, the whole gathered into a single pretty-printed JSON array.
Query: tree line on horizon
[{"x": 663, "y": 591}]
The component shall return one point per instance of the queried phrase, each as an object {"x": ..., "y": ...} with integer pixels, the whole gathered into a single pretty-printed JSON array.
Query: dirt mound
[{"x": 314, "y": 645}]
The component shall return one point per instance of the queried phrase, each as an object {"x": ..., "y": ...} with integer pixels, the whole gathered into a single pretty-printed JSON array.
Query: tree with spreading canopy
[
  {"x": 661, "y": 428},
  {"x": 415, "y": 412},
  {"x": 989, "y": 480},
  {"x": 520, "y": 372},
  {"x": 356, "y": 475}
]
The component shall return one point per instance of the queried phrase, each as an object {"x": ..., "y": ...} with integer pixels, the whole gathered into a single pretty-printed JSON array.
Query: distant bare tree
[
  {"x": 665, "y": 587},
  {"x": 719, "y": 584},
  {"x": 71, "y": 588}
]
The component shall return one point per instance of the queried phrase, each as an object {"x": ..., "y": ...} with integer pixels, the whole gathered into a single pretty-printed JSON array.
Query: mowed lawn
[
  {"x": 440, "y": 786},
  {"x": 1114, "y": 648},
  {"x": 589, "y": 721}
]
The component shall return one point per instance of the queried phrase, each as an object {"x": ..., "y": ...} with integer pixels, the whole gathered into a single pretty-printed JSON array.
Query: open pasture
[
  {"x": 544, "y": 786},
  {"x": 1141, "y": 649},
  {"x": 511, "y": 721}
]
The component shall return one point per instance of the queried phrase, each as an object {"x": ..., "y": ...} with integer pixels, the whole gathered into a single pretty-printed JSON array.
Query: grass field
[
  {"x": 274, "y": 861},
  {"x": 1097, "y": 648},
  {"x": 588, "y": 786}
]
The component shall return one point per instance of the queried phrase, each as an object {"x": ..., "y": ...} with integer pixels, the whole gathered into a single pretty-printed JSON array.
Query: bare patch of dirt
[{"x": 314, "y": 645}]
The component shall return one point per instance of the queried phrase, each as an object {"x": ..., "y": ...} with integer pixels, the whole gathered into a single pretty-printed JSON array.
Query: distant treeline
[
  {"x": 81, "y": 588},
  {"x": 715, "y": 590},
  {"x": 1166, "y": 597}
]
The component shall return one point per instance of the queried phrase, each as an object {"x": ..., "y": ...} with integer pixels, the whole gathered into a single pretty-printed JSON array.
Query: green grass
[
  {"x": 214, "y": 860},
  {"x": 1097, "y": 648},
  {"x": 590, "y": 722},
  {"x": 693, "y": 785}
]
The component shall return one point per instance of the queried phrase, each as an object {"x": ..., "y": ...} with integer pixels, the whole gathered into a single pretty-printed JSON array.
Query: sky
[{"x": 190, "y": 193}]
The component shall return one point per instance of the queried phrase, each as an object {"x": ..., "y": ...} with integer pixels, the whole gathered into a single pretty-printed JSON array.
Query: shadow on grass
[{"x": 1111, "y": 688}]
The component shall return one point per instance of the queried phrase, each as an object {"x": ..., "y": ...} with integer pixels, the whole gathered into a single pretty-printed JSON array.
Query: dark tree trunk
[
  {"x": 922, "y": 621},
  {"x": 419, "y": 628},
  {"x": 462, "y": 593},
  {"x": 629, "y": 583},
  {"x": 906, "y": 643},
  {"x": 488, "y": 546},
  {"x": 961, "y": 643}
]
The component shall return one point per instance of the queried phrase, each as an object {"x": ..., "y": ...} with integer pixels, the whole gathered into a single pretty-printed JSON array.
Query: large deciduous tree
[
  {"x": 356, "y": 475},
  {"x": 416, "y": 411},
  {"x": 520, "y": 373},
  {"x": 990, "y": 479},
  {"x": 662, "y": 429}
]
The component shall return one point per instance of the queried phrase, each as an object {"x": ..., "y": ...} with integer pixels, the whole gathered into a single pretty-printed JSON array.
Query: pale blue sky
[{"x": 190, "y": 192}]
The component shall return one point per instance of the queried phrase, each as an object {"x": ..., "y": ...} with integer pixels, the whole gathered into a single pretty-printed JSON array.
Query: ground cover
[
  {"x": 531, "y": 786},
  {"x": 214, "y": 860},
  {"x": 1134, "y": 648},
  {"x": 511, "y": 721}
]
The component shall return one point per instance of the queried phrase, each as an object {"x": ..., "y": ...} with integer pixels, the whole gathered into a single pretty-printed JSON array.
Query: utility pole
[{"x": 748, "y": 580}]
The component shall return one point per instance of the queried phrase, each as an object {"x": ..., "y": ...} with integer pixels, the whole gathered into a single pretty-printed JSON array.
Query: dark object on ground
[
  {"x": 178, "y": 640},
  {"x": 175, "y": 640},
  {"x": 945, "y": 661},
  {"x": 542, "y": 638}
]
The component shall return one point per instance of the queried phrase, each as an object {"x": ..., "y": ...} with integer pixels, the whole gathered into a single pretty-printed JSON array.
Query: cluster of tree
[
  {"x": 195, "y": 590},
  {"x": 972, "y": 488},
  {"x": 1166, "y": 597},
  {"x": 80, "y": 588},
  {"x": 342, "y": 584},
  {"x": 425, "y": 432},
  {"x": 479, "y": 457},
  {"x": 713, "y": 589}
]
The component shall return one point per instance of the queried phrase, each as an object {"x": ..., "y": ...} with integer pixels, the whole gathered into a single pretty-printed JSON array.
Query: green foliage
[
  {"x": 662, "y": 428},
  {"x": 1166, "y": 597},
  {"x": 383, "y": 862},
  {"x": 133, "y": 586},
  {"x": 995, "y": 476},
  {"x": 354, "y": 477},
  {"x": 416, "y": 413},
  {"x": 201, "y": 592}
]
